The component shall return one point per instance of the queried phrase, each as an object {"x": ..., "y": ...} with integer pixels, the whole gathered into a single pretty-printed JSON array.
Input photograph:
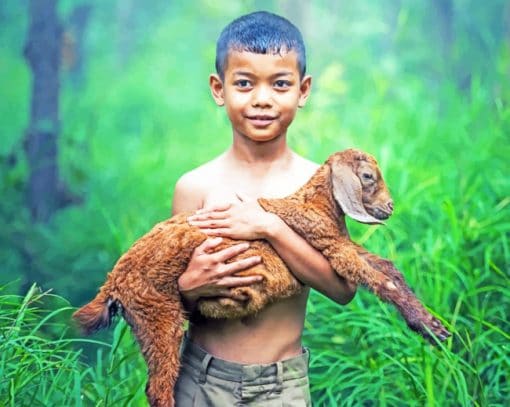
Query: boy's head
[{"x": 260, "y": 33}]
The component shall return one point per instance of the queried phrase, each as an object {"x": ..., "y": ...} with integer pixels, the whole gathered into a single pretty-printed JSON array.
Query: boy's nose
[{"x": 261, "y": 97}]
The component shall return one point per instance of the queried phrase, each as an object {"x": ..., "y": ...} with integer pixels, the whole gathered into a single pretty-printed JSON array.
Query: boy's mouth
[{"x": 261, "y": 120}]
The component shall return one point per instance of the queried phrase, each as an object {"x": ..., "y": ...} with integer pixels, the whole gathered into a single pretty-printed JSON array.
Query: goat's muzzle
[{"x": 382, "y": 211}]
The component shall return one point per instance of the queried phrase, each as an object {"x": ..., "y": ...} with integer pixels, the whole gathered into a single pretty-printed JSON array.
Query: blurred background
[{"x": 104, "y": 104}]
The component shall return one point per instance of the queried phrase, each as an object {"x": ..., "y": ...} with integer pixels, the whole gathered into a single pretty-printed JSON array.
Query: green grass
[
  {"x": 40, "y": 364},
  {"x": 449, "y": 236}
]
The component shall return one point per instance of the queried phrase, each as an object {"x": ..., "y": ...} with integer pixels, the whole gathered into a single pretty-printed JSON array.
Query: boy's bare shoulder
[
  {"x": 192, "y": 187},
  {"x": 291, "y": 178},
  {"x": 304, "y": 167},
  {"x": 305, "y": 163}
]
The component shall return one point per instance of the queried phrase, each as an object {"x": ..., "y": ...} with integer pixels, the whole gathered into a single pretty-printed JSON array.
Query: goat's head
[{"x": 358, "y": 186}]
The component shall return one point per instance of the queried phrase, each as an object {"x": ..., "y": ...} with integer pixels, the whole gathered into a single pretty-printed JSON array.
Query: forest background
[{"x": 104, "y": 104}]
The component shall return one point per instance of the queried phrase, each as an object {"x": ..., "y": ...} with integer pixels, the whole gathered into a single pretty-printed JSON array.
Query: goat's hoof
[
  {"x": 428, "y": 326},
  {"x": 439, "y": 330},
  {"x": 435, "y": 330}
]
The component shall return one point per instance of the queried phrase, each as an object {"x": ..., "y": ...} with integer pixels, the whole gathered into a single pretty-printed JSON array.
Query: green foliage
[
  {"x": 446, "y": 166},
  {"x": 40, "y": 366},
  {"x": 438, "y": 123},
  {"x": 35, "y": 363}
]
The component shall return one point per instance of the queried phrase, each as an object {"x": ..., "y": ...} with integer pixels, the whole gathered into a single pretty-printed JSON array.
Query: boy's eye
[
  {"x": 281, "y": 84},
  {"x": 243, "y": 83}
]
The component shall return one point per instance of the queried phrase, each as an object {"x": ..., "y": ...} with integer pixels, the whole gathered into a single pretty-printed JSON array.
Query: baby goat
[{"x": 143, "y": 283}]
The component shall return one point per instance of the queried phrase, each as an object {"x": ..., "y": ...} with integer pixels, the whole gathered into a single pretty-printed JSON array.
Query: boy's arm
[
  {"x": 247, "y": 220},
  {"x": 307, "y": 264},
  {"x": 208, "y": 274}
]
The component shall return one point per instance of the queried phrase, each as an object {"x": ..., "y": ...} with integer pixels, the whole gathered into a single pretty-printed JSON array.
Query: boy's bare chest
[{"x": 227, "y": 189}]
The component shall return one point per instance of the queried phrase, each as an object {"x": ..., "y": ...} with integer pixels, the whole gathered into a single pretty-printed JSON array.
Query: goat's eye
[{"x": 366, "y": 176}]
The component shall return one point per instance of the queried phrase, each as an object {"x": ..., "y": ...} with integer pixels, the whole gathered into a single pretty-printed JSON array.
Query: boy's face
[{"x": 261, "y": 93}]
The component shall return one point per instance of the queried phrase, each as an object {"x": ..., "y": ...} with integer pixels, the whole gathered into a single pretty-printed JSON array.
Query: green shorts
[{"x": 206, "y": 381}]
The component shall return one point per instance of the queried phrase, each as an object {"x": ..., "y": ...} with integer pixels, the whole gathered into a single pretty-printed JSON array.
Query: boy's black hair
[{"x": 261, "y": 33}]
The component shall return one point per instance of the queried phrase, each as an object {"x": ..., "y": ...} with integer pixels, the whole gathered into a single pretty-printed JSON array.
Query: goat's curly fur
[{"x": 143, "y": 283}]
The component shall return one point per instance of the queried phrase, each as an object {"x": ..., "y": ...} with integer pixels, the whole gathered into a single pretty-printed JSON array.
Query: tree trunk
[
  {"x": 443, "y": 14},
  {"x": 391, "y": 13},
  {"x": 42, "y": 52},
  {"x": 73, "y": 39},
  {"x": 126, "y": 36}
]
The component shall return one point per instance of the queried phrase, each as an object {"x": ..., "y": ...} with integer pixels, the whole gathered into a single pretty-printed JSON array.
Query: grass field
[{"x": 447, "y": 167}]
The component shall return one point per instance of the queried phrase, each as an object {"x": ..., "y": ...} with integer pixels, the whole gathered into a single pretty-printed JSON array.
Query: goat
[{"x": 143, "y": 283}]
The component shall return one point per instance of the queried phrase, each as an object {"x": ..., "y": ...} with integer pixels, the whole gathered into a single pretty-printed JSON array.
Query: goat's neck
[
  {"x": 312, "y": 211},
  {"x": 316, "y": 193}
]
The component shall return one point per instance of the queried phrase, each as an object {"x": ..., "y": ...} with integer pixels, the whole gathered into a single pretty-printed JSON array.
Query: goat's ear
[{"x": 347, "y": 192}]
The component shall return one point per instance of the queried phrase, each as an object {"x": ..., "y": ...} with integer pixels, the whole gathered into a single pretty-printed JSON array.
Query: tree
[
  {"x": 73, "y": 52},
  {"x": 42, "y": 52}
]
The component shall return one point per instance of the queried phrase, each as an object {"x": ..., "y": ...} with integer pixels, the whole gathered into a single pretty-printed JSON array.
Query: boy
[{"x": 261, "y": 82}]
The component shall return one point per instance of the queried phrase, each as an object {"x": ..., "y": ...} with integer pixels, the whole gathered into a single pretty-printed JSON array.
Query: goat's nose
[{"x": 390, "y": 205}]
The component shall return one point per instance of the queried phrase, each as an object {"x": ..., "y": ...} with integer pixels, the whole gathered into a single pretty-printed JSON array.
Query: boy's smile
[{"x": 261, "y": 93}]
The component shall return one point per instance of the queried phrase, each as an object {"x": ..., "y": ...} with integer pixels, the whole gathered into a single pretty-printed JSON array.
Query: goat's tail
[{"x": 97, "y": 314}]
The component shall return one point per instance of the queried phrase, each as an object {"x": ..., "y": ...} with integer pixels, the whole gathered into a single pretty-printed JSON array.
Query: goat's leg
[
  {"x": 159, "y": 330},
  {"x": 412, "y": 305},
  {"x": 384, "y": 266},
  {"x": 382, "y": 278},
  {"x": 378, "y": 275}
]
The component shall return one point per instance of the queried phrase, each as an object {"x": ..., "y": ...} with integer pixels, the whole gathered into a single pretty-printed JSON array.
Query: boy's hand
[
  {"x": 244, "y": 220},
  {"x": 208, "y": 274}
]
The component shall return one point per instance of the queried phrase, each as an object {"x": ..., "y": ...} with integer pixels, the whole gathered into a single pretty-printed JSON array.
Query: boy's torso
[
  {"x": 277, "y": 329},
  {"x": 221, "y": 180}
]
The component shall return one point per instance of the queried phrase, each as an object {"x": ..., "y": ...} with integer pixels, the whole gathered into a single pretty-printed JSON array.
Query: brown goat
[{"x": 143, "y": 283}]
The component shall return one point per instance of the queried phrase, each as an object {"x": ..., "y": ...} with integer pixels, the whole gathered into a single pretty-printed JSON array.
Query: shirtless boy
[{"x": 261, "y": 82}]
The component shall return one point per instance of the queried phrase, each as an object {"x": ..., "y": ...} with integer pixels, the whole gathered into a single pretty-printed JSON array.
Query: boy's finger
[
  {"x": 239, "y": 297},
  {"x": 232, "y": 281},
  {"x": 213, "y": 208},
  {"x": 215, "y": 232},
  {"x": 229, "y": 252},
  {"x": 243, "y": 264},
  {"x": 208, "y": 244},
  {"x": 207, "y": 216},
  {"x": 227, "y": 293},
  {"x": 209, "y": 224}
]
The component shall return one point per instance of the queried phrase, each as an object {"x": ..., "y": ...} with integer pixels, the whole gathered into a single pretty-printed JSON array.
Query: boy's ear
[
  {"x": 304, "y": 89},
  {"x": 216, "y": 85}
]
